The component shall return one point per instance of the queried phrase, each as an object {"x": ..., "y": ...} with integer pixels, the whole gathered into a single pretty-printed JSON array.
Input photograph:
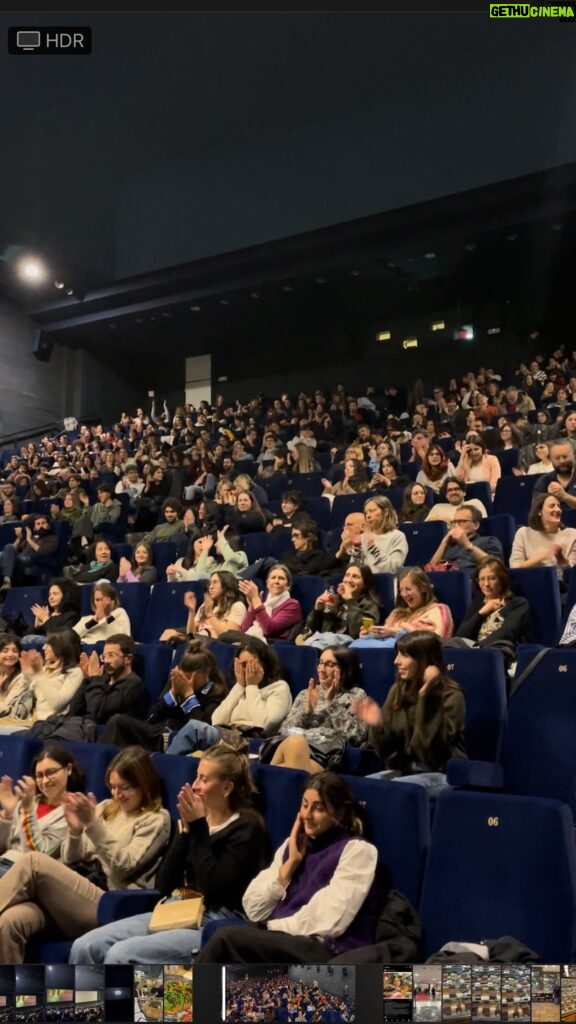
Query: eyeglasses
[
  {"x": 328, "y": 664},
  {"x": 124, "y": 788},
  {"x": 48, "y": 774},
  {"x": 487, "y": 579}
]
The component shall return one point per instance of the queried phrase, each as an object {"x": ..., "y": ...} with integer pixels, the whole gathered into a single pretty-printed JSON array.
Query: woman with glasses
[
  {"x": 220, "y": 845},
  {"x": 324, "y": 709},
  {"x": 436, "y": 469},
  {"x": 32, "y": 815},
  {"x": 118, "y": 842},
  {"x": 496, "y": 617}
]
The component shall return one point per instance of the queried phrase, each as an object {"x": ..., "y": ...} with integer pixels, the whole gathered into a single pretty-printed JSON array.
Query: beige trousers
[{"x": 40, "y": 893}]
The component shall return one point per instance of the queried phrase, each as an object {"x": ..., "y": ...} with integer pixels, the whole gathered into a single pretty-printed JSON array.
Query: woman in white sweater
[
  {"x": 256, "y": 705},
  {"x": 107, "y": 617},
  {"x": 32, "y": 814},
  {"x": 53, "y": 678},
  {"x": 384, "y": 547},
  {"x": 544, "y": 541},
  {"x": 121, "y": 840}
]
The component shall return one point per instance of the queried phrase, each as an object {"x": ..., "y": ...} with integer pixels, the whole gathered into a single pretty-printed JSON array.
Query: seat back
[
  {"x": 377, "y": 671},
  {"x": 513, "y": 496},
  {"x": 298, "y": 664},
  {"x": 423, "y": 539},
  {"x": 508, "y": 460},
  {"x": 481, "y": 676},
  {"x": 541, "y": 589},
  {"x": 453, "y": 589},
  {"x": 166, "y": 608},
  {"x": 21, "y": 599},
  {"x": 481, "y": 491},
  {"x": 279, "y": 798},
  {"x": 402, "y": 848},
  {"x": 309, "y": 483},
  {"x": 503, "y": 527},
  {"x": 94, "y": 758},
  {"x": 152, "y": 662},
  {"x": 538, "y": 750},
  {"x": 175, "y": 771},
  {"x": 306, "y": 589},
  {"x": 256, "y": 545},
  {"x": 165, "y": 553},
  {"x": 501, "y": 865},
  {"x": 343, "y": 505},
  {"x": 134, "y": 598}
]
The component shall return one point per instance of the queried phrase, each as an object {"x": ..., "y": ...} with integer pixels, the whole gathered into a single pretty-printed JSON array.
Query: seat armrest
[
  {"x": 466, "y": 774},
  {"x": 119, "y": 903}
]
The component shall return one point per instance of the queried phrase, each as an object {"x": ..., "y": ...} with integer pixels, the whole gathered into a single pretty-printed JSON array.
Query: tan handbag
[{"x": 180, "y": 913}]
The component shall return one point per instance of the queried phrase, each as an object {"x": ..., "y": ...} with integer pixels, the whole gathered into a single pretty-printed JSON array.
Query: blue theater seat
[
  {"x": 21, "y": 599},
  {"x": 453, "y": 589},
  {"x": 423, "y": 539},
  {"x": 501, "y": 865},
  {"x": 480, "y": 674},
  {"x": 174, "y": 770},
  {"x": 166, "y": 608},
  {"x": 503, "y": 527},
  {"x": 541, "y": 589},
  {"x": 513, "y": 497}
]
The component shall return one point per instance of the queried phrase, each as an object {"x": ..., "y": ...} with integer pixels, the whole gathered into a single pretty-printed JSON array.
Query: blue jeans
[
  {"x": 433, "y": 782},
  {"x": 9, "y": 556},
  {"x": 129, "y": 942},
  {"x": 193, "y": 736}
]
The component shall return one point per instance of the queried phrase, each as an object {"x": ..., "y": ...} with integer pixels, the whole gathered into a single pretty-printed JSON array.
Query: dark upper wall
[
  {"x": 72, "y": 383},
  {"x": 32, "y": 393},
  {"x": 355, "y": 115}
]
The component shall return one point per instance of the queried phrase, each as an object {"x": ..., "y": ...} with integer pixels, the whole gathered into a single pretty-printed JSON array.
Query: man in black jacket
[{"x": 111, "y": 686}]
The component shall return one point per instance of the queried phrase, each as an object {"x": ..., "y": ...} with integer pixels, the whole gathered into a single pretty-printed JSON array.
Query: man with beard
[
  {"x": 38, "y": 539},
  {"x": 453, "y": 496},
  {"x": 562, "y": 482}
]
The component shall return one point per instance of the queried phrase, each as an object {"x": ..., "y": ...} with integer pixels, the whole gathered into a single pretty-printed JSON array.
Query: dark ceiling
[
  {"x": 422, "y": 113},
  {"x": 510, "y": 242}
]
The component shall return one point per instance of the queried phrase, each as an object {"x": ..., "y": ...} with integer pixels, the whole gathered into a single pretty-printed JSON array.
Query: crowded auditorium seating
[{"x": 520, "y": 748}]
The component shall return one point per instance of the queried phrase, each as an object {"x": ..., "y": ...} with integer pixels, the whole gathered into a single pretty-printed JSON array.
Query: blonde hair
[{"x": 390, "y": 519}]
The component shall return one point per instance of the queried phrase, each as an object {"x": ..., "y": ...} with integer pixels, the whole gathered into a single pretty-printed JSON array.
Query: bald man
[{"x": 349, "y": 547}]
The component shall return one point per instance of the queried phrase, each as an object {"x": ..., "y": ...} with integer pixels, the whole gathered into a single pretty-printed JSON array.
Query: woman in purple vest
[{"x": 321, "y": 895}]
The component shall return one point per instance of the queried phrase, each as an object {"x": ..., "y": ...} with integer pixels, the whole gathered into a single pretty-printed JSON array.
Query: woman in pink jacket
[{"x": 276, "y": 616}]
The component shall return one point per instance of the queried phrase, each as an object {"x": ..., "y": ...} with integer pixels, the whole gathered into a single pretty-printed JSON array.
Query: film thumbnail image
[
  {"x": 290, "y": 993},
  {"x": 515, "y": 993},
  {"x": 397, "y": 993},
  {"x": 487, "y": 992},
  {"x": 457, "y": 992},
  {"x": 568, "y": 992},
  {"x": 427, "y": 993},
  {"x": 545, "y": 992},
  {"x": 163, "y": 993}
]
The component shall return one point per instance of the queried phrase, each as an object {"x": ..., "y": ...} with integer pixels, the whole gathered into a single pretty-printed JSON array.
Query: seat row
[
  {"x": 491, "y": 864},
  {"x": 153, "y": 609}
]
